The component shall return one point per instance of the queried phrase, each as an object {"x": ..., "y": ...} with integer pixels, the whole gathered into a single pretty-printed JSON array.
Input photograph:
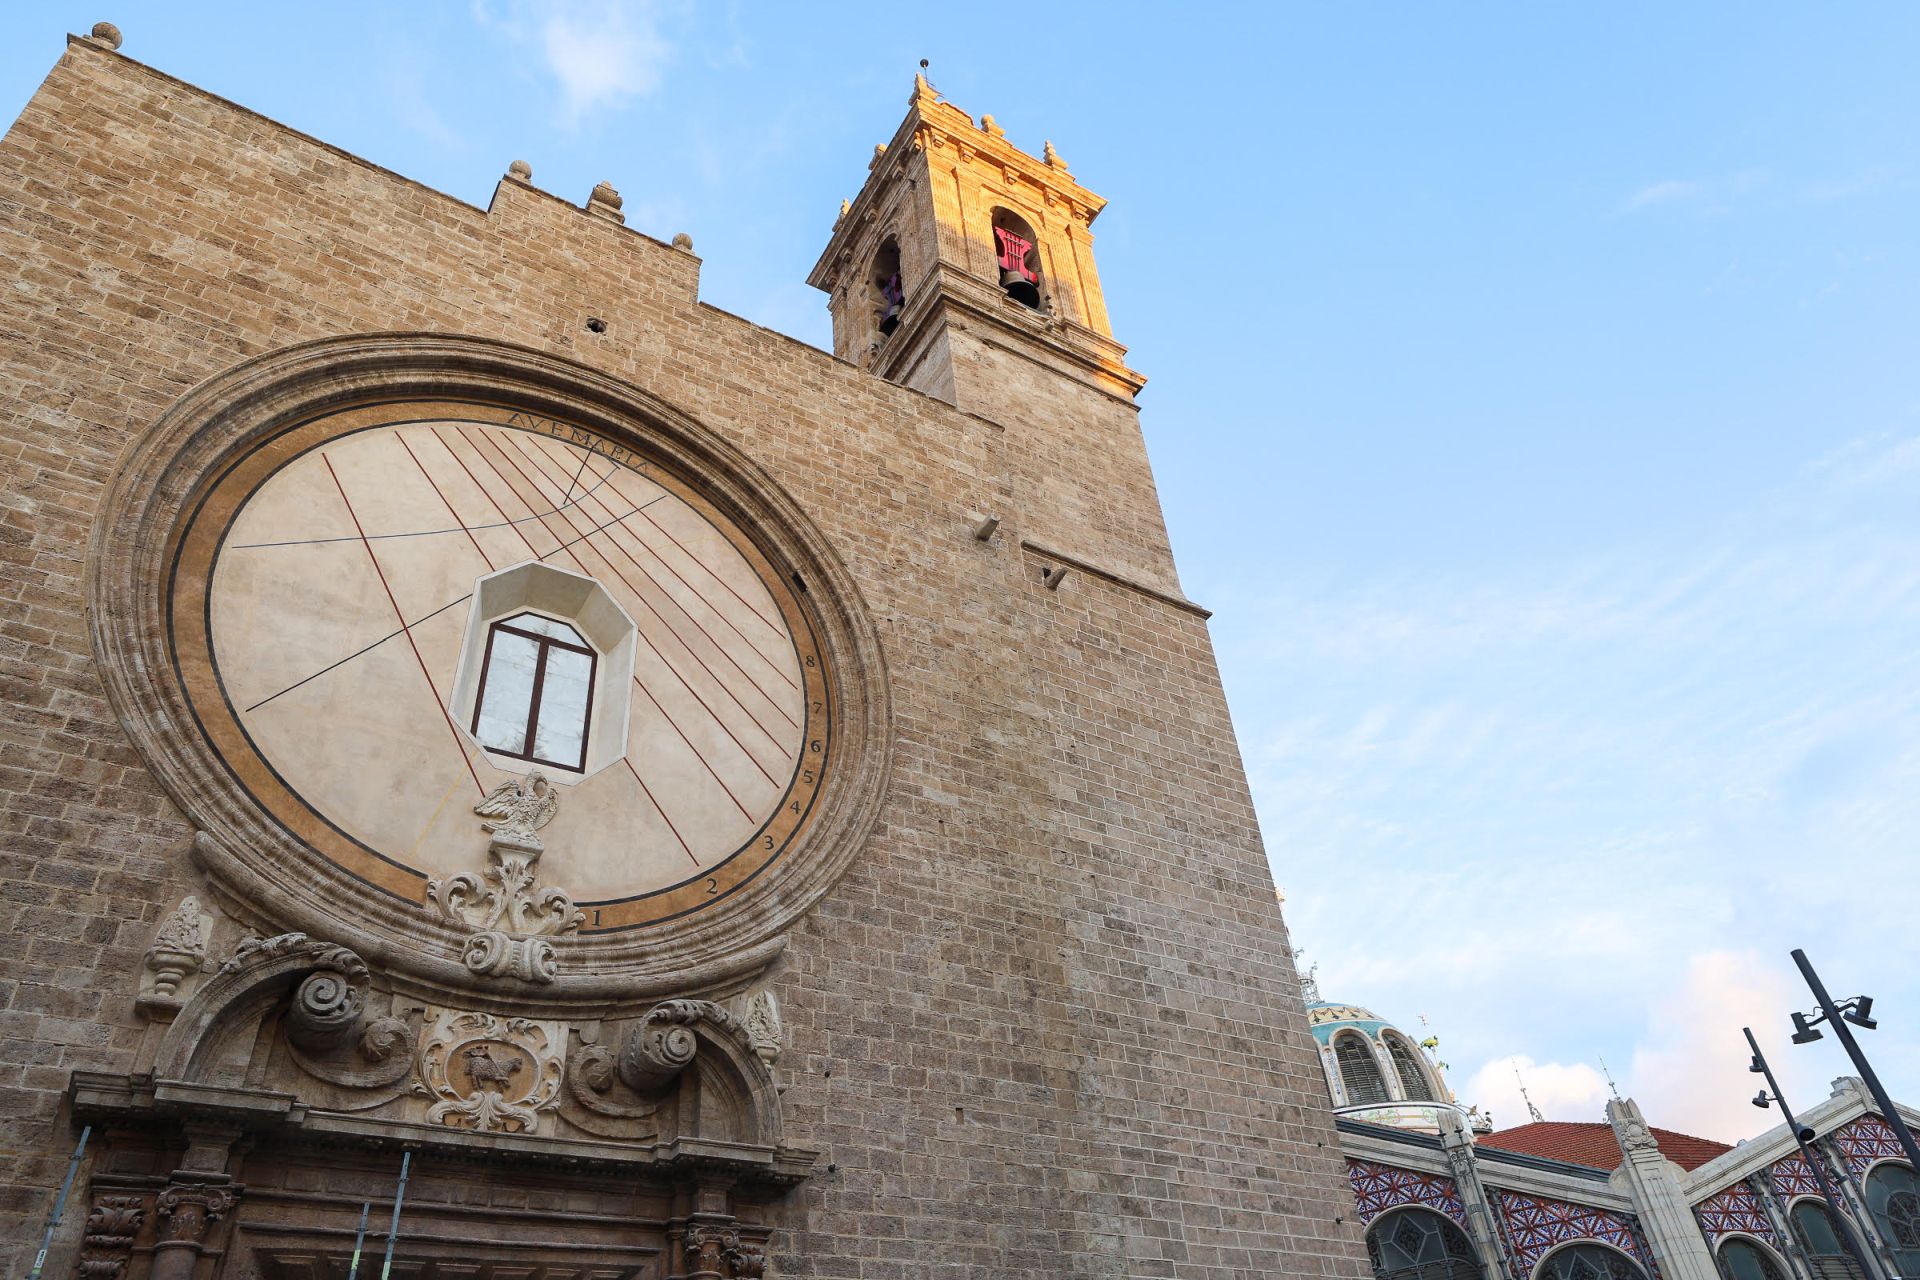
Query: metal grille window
[
  {"x": 536, "y": 692},
  {"x": 1893, "y": 1197},
  {"x": 1407, "y": 1065},
  {"x": 1416, "y": 1244},
  {"x": 1591, "y": 1262},
  {"x": 1359, "y": 1073},
  {"x": 1745, "y": 1260},
  {"x": 1820, "y": 1237}
]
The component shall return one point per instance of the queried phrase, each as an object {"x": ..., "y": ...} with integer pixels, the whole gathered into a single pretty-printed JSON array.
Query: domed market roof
[{"x": 1327, "y": 1016}]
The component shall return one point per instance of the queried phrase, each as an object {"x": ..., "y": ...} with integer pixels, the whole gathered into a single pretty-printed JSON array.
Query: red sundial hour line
[
  {"x": 687, "y": 741},
  {"x": 725, "y": 585},
  {"x": 648, "y": 792},
  {"x": 487, "y": 559},
  {"x": 728, "y": 622},
  {"x": 671, "y": 629},
  {"x": 564, "y": 546},
  {"x": 458, "y": 745}
]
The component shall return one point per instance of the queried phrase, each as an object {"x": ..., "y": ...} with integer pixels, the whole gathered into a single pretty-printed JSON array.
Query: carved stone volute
[
  {"x": 661, "y": 1045},
  {"x": 326, "y": 1010},
  {"x": 187, "y": 1213}
]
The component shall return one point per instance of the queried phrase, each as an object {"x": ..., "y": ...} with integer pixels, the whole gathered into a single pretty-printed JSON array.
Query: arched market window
[
  {"x": 1419, "y": 1244},
  {"x": 1590, "y": 1260},
  {"x": 1744, "y": 1260},
  {"x": 1359, "y": 1073},
  {"x": 1827, "y": 1254},
  {"x": 1414, "y": 1083},
  {"x": 1893, "y": 1197}
]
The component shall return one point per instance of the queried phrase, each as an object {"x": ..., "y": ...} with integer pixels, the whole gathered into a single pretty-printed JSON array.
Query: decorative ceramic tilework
[
  {"x": 1378, "y": 1188},
  {"x": 1736, "y": 1208},
  {"x": 1866, "y": 1139},
  {"x": 1793, "y": 1177},
  {"x": 1536, "y": 1224}
]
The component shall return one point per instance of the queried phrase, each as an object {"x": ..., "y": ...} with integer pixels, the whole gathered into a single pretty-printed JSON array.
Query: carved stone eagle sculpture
[{"x": 519, "y": 807}]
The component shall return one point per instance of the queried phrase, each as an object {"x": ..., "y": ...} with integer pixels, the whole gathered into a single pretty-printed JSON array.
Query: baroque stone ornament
[
  {"x": 326, "y": 955},
  {"x": 493, "y": 954},
  {"x": 762, "y": 1022},
  {"x": 107, "y": 1246},
  {"x": 519, "y": 807},
  {"x": 179, "y": 948},
  {"x": 509, "y": 913},
  {"x": 490, "y": 1074},
  {"x": 273, "y": 814},
  {"x": 709, "y": 1246},
  {"x": 662, "y": 1044},
  {"x": 186, "y": 1210}
]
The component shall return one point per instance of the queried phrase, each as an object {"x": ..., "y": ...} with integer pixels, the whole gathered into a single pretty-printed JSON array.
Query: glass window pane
[
  {"x": 547, "y": 627},
  {"x": 562, "y": 731},
  {"x": 507, "y": 696},
  {"x": 1816, "y": 1229}
]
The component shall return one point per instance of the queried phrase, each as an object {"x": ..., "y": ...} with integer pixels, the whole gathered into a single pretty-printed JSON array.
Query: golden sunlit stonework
[{"x": 700, "y": 805}]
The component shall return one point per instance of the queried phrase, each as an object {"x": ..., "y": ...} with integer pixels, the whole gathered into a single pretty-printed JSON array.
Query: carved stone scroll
[
  {"x": 187, "y": 1213},
  {"x": 493, "y": 954},
  {"x": 507, "y": 910},
  {"x": 107, "y": 1246},
  {"x": 326, "y": 1010},
  {"x": 659, "y": 1047}
]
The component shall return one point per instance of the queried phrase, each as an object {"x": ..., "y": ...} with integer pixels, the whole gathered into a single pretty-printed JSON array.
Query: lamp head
[
  {"x": 1756, "y": 1066},
  {"x": 1802, "y": 1033},
  {"x": 1806, "y": 1133},
  {"x": 1760, "y": 1099},
  {"x": 1860, "y": 1013}
]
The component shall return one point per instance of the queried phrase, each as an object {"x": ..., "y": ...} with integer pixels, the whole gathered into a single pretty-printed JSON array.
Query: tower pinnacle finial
[
  {"x": 1533, "y": 1112},
  {"x": 1612, "y": 1088}
]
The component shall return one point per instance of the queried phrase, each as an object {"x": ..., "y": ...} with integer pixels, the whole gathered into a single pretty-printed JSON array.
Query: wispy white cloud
[
  {"x": 1714, "y": 194},
  {"x": 1564, "y": 807},
  {"x": 1869, "y": 181},
  {"x": 602, "y": 54}
]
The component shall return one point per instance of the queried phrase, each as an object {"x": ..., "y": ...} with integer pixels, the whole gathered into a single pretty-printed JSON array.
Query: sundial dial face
[{"x": 322, "y": 613}]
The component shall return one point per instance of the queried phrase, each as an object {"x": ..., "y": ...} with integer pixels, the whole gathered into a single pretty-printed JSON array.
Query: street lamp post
[
  {"x": 1859, "y": 1012},
  {"x": 1801, "y": 1136}
]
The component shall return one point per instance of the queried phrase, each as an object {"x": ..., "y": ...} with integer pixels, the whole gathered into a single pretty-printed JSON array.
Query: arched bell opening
[
  {"x": 890, "y": 297},
  {"x": 1017, "y": 257}
]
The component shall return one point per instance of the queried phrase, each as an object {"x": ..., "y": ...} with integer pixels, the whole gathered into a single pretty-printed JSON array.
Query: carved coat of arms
[{"x": 491, "y": 1074}]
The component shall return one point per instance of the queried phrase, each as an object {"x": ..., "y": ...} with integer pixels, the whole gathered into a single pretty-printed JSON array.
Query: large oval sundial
[{"x": 384, "y": 613}]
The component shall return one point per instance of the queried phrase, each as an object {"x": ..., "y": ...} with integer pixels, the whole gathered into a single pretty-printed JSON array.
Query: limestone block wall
[{"x": 1046, "y": 1025}]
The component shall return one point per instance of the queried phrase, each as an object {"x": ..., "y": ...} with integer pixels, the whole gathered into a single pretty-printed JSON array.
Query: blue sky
[{"x": 1533, "y": 396}]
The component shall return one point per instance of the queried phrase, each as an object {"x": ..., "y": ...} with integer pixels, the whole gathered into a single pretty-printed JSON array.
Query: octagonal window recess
[{"x": 544, "y": 675}]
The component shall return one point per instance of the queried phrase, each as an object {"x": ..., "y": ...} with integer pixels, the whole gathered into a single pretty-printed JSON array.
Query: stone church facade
[{"x": 698, "y": 805}]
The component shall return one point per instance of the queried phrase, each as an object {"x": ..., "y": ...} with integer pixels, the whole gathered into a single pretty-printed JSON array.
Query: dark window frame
[
  {"x": 543, "y": 644},
  {"x": 1365, "y": 1077}
]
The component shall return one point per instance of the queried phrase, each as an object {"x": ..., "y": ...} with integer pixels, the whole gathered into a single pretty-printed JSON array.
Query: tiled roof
[{"x": 1594, "y": 1146}]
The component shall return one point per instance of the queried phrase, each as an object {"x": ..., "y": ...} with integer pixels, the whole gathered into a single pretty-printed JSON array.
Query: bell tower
[{"x": 960, "y": 251}]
